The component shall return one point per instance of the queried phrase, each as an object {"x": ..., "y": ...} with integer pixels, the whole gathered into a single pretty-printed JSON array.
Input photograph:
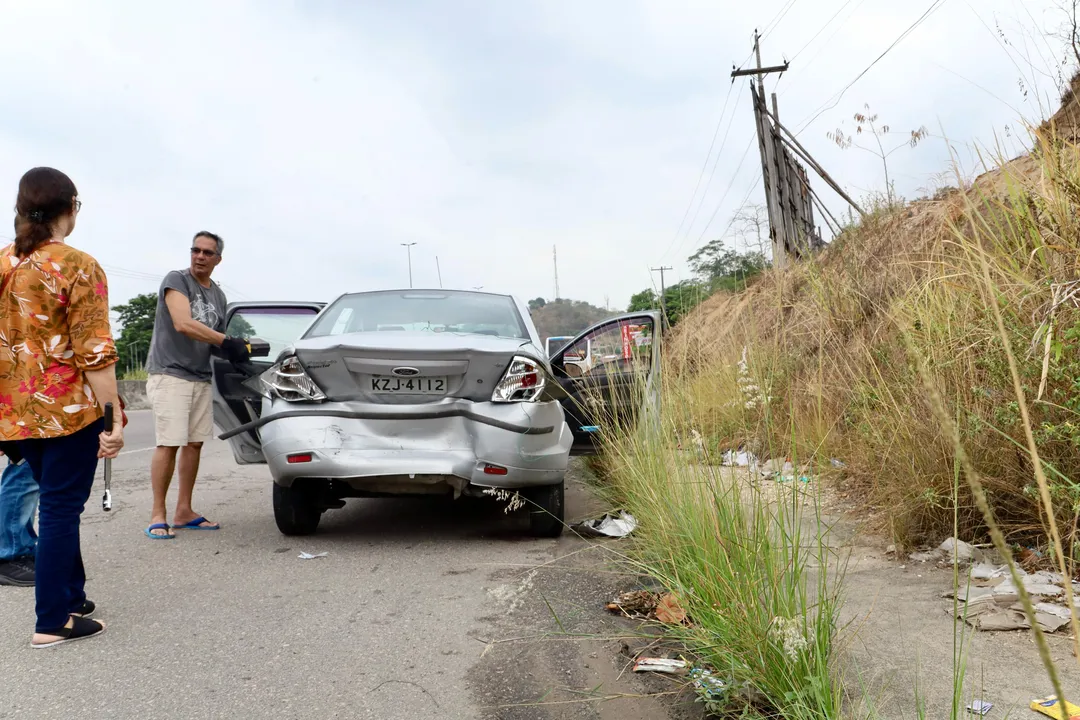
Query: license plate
[{"x": 409, "y": 386}]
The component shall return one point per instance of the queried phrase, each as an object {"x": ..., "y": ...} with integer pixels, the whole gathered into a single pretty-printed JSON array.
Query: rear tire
[
  {"x": 547, "y": 509},
  {"x": 295, "y": 510}
]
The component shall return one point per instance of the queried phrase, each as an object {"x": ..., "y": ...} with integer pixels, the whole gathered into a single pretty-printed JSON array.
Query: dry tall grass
[{"x": 836, "y": 343}]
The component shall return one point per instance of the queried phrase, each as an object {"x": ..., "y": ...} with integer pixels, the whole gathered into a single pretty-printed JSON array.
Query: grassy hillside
[{"x": 847, "y": 351}]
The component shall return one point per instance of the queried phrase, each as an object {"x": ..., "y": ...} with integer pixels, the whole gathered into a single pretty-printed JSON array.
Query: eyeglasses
[{"x": 203, "y": 252}]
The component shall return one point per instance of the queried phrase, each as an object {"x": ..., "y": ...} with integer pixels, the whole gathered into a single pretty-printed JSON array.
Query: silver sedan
[{"x": 404, "y": 392}]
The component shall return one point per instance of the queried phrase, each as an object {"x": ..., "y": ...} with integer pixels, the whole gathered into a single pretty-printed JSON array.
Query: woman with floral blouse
[{"x": 57, "y": 372}]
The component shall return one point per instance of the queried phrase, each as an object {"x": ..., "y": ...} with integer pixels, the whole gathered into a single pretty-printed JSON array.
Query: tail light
[
  {"x": 289, "y": 381},
  {"x": 523, "y": 381}
]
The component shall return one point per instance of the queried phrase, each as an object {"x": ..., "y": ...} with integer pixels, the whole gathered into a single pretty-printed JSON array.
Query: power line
[
  {"x": 836, "y": 30},
  {"x": 778, "y": 19},
  {"x": 823, "y": 28},
  {"x": 934, "y": 6},
  {"x": 716, "y": 162},
  {"x": 720, "y": 204},
  {"x": 705, "y": 164}
]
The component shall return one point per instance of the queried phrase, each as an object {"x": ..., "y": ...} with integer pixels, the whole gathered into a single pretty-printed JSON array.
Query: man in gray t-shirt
[{"x": 189, "y": 322}]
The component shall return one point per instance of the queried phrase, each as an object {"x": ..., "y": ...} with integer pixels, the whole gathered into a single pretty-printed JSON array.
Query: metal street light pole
[{"x": 408, "y": 250}]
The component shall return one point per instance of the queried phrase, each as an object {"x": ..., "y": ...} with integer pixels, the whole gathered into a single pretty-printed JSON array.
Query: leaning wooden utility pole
[
  {"x": 789, "y": 198},
  {"x": 770, "y": 163}
]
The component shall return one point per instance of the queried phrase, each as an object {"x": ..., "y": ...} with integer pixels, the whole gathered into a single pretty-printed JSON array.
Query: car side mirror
[{"x": 259, "y": 347}]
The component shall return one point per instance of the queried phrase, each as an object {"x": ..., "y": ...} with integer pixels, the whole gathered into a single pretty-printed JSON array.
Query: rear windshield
[{"x": 406, "y": 310}]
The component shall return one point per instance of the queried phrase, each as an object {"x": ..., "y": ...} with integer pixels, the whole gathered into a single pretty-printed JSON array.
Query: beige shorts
[{"x": 183, "y": 412}]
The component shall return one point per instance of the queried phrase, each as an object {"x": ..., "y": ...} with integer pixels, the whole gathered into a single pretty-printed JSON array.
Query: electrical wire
[
  {"x": 720, "y": 204},
  {"x": 823, "y": 28},
  {"x": 704, "y": 165},
  {"x": 835, "y": 100},
  {"x": 771, "y": 27},
  {"x": 716, "y": 162}
]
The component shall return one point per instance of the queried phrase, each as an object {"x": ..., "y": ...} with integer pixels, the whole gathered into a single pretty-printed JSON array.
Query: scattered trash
[
  {"x": 608, "y": 526},
  {"x": 789, "y": 478},
  {"x": 986, "y": 571},
  {"x": 645, "y": 605},
  {"x": 668, "y": 610},
  {"x": 992, "y": 603},
  {"x": 309, "y": 556},
  {"x": 949, "y": 551},
  {"x": 739, "y": 459},
  {"x": 891, "y": 550},
  {"x": 769, "y": 468},
  {"x": 709, "y": 685},
  {"x": 660, "y": 665},
  {"x": 979, "y": 707},
  {"x": 837, "y": 463},
  {"x": 957, "y": 550},
  {"x": 1051, "y": 707},
  {"x": 635, "y": 604}
]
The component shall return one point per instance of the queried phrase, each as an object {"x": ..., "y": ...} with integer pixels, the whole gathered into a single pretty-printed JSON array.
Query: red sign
[{"x": 627, "y": 344}]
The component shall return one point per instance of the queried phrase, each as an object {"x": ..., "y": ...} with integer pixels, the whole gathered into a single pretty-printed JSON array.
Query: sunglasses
[{"x": 203, "y": 252}]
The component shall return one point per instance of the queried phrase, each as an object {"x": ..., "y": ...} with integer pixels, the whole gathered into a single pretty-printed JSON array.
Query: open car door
[
  {"x": 611, "y": 376},
  {"x": 278, "y": 324}
]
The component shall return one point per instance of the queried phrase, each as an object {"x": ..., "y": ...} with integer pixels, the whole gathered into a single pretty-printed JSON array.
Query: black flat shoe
[
  {"x": 87, "y": 609},
  {"x": 80, "y": 629}
]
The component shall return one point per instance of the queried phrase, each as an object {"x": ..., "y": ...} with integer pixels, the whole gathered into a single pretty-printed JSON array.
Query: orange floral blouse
[{"x": 54, "y": 325}]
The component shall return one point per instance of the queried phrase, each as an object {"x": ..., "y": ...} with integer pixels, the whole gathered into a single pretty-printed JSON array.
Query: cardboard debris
[{"x": 992, "y": 602}]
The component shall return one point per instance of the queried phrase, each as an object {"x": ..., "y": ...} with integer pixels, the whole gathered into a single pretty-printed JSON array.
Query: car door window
[
  {"x": 616, "y": 348},
  {"x": 279, "y": 326}
]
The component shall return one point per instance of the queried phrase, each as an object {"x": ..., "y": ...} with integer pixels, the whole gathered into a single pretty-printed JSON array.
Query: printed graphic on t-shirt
[{"x": 204, "y": 312}]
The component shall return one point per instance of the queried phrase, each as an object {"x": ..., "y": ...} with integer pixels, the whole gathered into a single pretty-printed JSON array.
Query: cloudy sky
[{"x": 317, "y": 136}]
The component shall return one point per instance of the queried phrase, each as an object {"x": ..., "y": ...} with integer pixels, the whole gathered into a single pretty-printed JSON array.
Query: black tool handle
[{"x": 108, "y": 417}]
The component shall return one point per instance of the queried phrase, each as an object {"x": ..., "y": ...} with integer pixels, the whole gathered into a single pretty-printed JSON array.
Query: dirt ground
[
  {"x": 900, "y": 637},
  {"x": 553, "y": 651}
]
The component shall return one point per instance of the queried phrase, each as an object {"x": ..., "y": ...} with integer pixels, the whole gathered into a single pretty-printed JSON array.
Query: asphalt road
[{"x": 232, "y": 624}]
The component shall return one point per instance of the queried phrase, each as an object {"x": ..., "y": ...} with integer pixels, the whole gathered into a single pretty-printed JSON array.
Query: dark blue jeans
[
  {"x": 18, "y": 504},
  {"x": 64, "y": 468}
]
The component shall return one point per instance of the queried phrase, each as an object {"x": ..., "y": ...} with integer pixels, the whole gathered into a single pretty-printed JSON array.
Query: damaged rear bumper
[{"x": 418, "y": 449}]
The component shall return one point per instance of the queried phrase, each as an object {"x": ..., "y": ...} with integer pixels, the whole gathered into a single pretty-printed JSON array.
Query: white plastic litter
[
  {"x": 979, "y": 707},
  {"x": 660, "y": 665},
  {"x": 309, "y": 556},
  {"x": 608, "y": 526},
  {"x": 739, "y": 459}
]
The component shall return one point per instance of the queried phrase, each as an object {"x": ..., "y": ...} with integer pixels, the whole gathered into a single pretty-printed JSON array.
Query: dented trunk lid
[{"x": 410, "y": 367}]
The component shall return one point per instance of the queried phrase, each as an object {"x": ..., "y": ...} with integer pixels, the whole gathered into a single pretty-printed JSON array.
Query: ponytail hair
[{"x": 45, "y": 196}]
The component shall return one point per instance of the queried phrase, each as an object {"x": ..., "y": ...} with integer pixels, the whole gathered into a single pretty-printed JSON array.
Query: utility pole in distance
[
  {"x": 408, "y": 249},
  {"x": 661, "y": 269}
]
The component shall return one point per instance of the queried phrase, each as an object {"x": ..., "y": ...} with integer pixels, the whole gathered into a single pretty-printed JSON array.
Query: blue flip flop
[
  {"x": 158, "y": 526},
  {"x": 196, "y": 524}
]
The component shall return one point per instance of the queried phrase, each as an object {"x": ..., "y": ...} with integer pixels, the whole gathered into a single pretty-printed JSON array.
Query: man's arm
[{"x": 180, "y": 314}]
